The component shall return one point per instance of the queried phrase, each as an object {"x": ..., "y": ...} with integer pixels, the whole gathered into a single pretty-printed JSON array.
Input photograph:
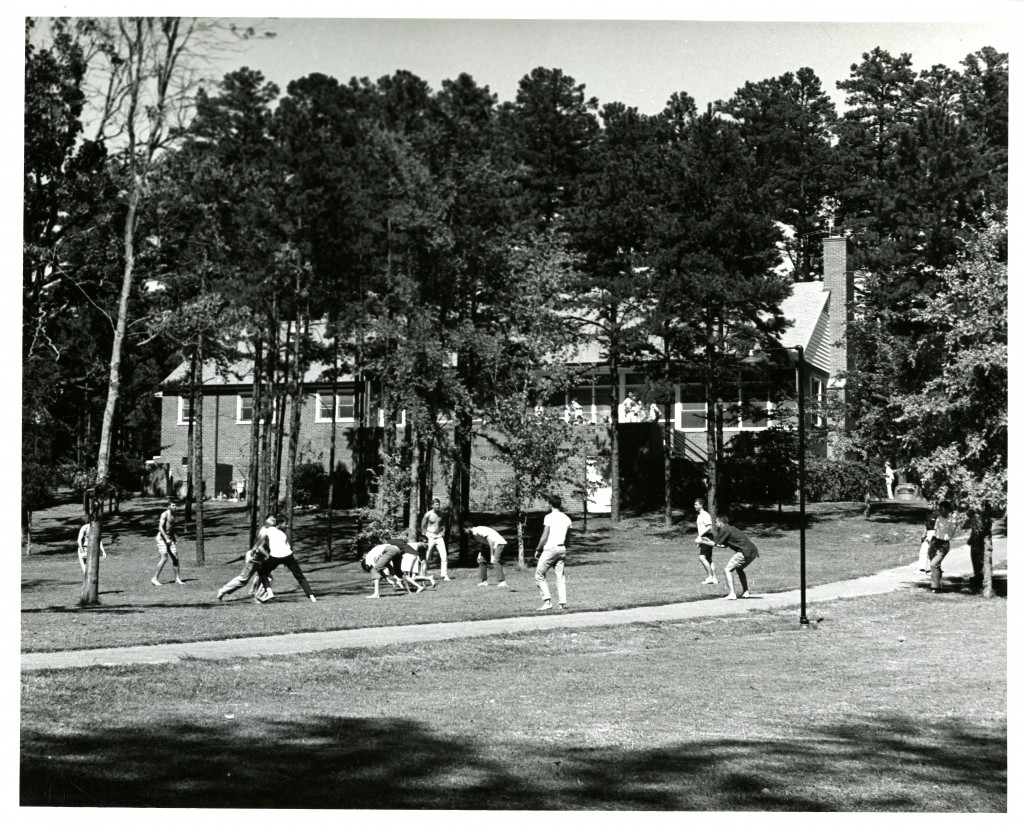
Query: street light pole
[
  {"x": 802, "y": 463},
  {"x": 802, "y": 441}
]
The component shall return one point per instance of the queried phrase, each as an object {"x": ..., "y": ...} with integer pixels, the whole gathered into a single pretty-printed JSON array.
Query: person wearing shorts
[
  {"x": 83, "y": 546},
  {"x": 730, "y": 537},
  {"x": 493, "y": 543},
  {"x": 433, "y": 530},
  {"x": 167, "y": 545},
  {"x": 551, "y": 554},
  {"x": 705, "y": 541}
]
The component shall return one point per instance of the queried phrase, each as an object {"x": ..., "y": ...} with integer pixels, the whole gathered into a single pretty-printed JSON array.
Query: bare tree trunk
[
  {"x": 987, "y": 587},
  {"x": 91, "y": 588},
  {"x": 298, "y": 402},
  {"x": 415, "y": 477},
  {"x": 332, "y": 455},
  {"x": 190, "y": 469},
  {"x": 279, "y": 424},
  {"x": 520, "y": 529},
  {"x": 253, "y": 483},
  {"x": 197, "y": 452},
  {"x": 667, "y": 452},
  {"x": 613, "y": 433},
  {"x": 267, "y": 417}
]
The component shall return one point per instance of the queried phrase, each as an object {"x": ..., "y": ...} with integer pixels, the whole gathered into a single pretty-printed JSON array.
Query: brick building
[{"x": 818, "y": 311}]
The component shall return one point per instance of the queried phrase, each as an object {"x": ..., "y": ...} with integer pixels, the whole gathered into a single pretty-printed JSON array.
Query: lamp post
[{"x": 802, "y": 469}]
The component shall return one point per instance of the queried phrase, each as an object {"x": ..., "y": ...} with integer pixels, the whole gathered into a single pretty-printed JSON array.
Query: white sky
[{"x": 640, "y": 63}]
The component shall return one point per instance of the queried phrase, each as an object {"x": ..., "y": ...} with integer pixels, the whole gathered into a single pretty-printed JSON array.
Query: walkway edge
[{"x": 890, "y": 580}]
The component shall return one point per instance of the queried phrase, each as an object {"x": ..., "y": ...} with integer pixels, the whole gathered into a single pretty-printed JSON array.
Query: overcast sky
[{"x": 638, "y": 62}]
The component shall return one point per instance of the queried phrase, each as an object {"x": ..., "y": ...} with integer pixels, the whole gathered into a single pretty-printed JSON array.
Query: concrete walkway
[{"x": 957, "y": 563}]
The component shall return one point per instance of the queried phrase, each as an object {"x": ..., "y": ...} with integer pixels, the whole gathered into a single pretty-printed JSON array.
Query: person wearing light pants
[
  {"x": 433, "y": 530},
  {"x": 493, "y": 543},
  {"x": 551, "y": 553}
]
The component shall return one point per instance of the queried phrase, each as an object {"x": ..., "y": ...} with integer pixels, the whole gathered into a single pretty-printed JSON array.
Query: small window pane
[{"x": 245, "y": 407}]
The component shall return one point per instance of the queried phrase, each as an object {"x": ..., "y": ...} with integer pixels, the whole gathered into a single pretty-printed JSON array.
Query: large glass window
[
  {"x": 692, "y": 407},
  {"x": 341, "y": 410},
  {"x": 755, "y": 404}
]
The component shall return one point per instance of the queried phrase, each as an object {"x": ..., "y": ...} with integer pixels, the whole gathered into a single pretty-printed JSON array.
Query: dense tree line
[{"x": 446, "y": 244}]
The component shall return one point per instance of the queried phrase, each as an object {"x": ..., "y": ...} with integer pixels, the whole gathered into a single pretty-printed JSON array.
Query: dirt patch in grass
[
  {"x": 638, "y": 563},
  {"x": 894, "y": 703}
]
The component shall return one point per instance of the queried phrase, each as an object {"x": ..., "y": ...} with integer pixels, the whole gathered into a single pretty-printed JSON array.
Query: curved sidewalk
[{"x": 957, "y": 563}]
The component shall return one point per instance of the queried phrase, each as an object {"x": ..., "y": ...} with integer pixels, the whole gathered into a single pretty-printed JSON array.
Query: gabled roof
[{"x": 803, "y": 308}]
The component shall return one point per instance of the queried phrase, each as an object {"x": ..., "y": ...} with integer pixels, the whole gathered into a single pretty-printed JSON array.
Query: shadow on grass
[{"x": 382, "y": 763}]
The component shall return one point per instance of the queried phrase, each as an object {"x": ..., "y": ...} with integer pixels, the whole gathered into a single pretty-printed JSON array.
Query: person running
[
  {"x": 433, "y": 530},
  {"x": 493, "y": 543},
  {"x": 945, "y": 527},
  {"x": 280, "y": 554},
  {"x": 730, "y": 537},
  {"x": 382, "y": 560},
  {"x": 83, "y": 546},
  {"x": 167, "y": 545},
  {"x": 551, "y": 553},
  {"x": 705, "y": 541}
]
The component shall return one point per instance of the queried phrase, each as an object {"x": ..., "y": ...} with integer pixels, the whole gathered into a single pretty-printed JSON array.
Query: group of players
[{"x": 402, "y": 562}]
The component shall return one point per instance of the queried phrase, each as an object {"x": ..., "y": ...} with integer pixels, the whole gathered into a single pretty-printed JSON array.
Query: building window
[
  {"x": 184, "y": 410},
  {"x": 244, "y": 409},
  {"x": 756, "y": 407},
  {"x": 818, "y": 402},
  {"x": 341, "y": 410},
  {"x": 693, "y": 408}
]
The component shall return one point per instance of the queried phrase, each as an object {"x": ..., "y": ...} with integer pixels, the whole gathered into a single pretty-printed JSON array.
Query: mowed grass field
[
  {"x": 636, "y": 563},
  {"x": 892, "y": 703}
]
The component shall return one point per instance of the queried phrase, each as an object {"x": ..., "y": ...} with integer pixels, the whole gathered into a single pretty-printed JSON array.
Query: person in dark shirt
[
  {"x": 981, "y": 528},
  {"x": 730, "y": 537}
]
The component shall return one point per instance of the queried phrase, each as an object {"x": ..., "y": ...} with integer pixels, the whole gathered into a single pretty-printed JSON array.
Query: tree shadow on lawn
[{"x": 887, "y": 765}]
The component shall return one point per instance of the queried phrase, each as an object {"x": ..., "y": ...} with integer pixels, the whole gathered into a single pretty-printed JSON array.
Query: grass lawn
[
  {"x": 893, "y": 703},
  {"x": 638, "y": 563}
]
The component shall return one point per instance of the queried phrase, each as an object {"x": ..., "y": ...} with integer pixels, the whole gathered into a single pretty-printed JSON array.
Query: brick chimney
[{"x": 839, "y": 283}]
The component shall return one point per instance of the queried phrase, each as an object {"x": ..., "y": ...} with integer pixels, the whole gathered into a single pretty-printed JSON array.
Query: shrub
[
  {"x": 839, "y": 480},
  {"x": 309, "y": 484}
]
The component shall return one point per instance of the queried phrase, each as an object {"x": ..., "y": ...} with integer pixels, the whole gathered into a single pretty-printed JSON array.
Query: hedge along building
[{"x": 817, "y": 313}]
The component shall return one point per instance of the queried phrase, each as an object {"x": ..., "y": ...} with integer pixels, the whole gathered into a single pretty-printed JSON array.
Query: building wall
[{"x": 226, "y": 440}]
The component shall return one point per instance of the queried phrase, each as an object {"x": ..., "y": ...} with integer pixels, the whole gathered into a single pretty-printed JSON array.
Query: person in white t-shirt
[
  {"x": 493, "y": 543},
  {"x": 551, "y": 553},
  {"x": 705, "y": 541},
  {"x": 275, "y": 543}
]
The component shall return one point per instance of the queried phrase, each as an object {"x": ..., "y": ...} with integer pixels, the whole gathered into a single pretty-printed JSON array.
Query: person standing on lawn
[
  {"x": 945, "y": 527},
  {"x": 280, "y": 554},
  {"x": 705, "y": 541},
  {"x": 730, "y": 537},
  {"x": 167, "y": 545},
  {"x": 433, "y": 530},
  {"x": 494, "y": 544},
  {"x": 83, "y": 546},
  {"x": 551, "y": 553}
]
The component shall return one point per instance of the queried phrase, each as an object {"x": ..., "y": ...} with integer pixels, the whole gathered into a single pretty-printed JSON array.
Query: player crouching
[{"x": 385, "y": 561}]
